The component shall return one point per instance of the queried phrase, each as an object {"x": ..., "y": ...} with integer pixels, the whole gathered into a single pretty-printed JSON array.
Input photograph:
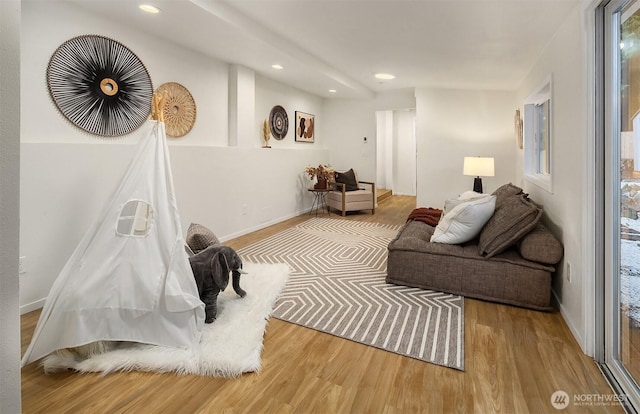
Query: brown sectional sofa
[{"x": 511, "y": 261}]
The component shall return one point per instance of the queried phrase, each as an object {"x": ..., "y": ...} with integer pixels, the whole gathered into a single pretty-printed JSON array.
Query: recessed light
[
  {"x": 332, "y": 90},
  {"x": 276, "y": 66},
  {"x": 384, "y": 76},
  {"x": 149, "y": 8}
]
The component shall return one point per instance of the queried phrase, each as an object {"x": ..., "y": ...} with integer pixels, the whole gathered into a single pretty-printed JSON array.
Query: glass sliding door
[{"x": 621, "y": 193}]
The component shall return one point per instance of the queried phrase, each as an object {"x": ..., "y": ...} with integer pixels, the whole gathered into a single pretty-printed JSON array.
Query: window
[
  {"x": 136, "y": 219},
  {"x": 538, "y": 136}
]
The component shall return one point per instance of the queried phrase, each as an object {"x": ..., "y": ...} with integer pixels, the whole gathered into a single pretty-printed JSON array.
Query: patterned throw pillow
[
  {"x": 199, "y": 237},
  {"x": 515, "y": 216}
]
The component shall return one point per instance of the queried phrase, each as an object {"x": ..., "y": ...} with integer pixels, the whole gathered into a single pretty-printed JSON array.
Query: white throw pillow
[
  {"x": 464, "y": 221},
  {"x": 450, "y": 205},
  {"x": 466, "y": 196},
  {"x": 471, "y": 195}
]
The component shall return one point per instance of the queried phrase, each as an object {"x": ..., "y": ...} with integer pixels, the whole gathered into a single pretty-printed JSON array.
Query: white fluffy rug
[{"x": 231, "y": 345}]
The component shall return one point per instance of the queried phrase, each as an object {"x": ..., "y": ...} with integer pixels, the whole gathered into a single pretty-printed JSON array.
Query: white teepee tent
[{"x": 129, "y": 279}]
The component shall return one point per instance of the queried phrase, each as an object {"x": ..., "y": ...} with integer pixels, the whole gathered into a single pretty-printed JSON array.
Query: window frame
[
  {"x": 532, "y": 148},
  {"x": 135, "y": 218}
]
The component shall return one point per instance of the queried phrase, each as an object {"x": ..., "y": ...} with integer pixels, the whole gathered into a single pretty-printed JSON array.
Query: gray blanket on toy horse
[{"x": 211, "y": 268}]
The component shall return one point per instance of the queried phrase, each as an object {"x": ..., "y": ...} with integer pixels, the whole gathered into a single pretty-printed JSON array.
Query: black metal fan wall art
[{"x": 100, "y": 85}]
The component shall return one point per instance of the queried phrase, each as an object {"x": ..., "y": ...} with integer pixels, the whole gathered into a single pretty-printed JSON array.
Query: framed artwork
[{"x": 305, "y": 127}]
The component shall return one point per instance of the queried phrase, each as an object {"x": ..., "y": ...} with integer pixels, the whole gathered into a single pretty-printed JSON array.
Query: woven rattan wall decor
[
  {"x": 100, "y": 85},
  {"x": 179, "y": 109},
  {"x": 279, "y": 122}
]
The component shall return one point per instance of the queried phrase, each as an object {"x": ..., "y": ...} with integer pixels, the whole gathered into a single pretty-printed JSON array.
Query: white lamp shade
[{"x": 478, "y": 166}]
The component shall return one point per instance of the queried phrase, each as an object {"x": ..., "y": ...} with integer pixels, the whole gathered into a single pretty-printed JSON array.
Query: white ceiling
[{"x": 332, "y": 44}]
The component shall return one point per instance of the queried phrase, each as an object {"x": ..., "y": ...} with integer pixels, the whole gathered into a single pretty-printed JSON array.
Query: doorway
[
  {"x": 618, "y": 229},
  {"x": 396, "y": 151}
]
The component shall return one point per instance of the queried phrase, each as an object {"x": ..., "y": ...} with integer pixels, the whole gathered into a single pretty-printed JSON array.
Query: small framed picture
[{"x": 305, "y": 127}]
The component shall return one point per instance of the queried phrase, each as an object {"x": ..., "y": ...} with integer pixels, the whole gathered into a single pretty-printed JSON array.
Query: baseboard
[
  {"x": 566, "y": 319},
  {"x": 264, "y": 225},
  {"x": 30, "y": 307}
]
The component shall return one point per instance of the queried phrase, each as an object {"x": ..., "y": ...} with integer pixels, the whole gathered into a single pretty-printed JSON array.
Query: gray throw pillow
[
  {"x": 199, "y": 237},
  {"x": 348, "y": 178},
  {"x": 514, "y": 217},
  {"x": 540, "y": 245},
  {"x": 506, "y": 191}
]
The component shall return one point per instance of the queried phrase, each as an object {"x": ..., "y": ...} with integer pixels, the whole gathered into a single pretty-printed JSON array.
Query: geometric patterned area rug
[{"x": 337, "y": 285}]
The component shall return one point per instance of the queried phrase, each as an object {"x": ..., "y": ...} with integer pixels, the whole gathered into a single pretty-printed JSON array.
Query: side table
[{"x": 319, "y": 200}]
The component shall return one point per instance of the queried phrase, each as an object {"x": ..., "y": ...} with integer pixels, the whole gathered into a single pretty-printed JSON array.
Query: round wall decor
[
  {"x": 279, "y": 122},
  {"x": 179, "y": 109},
  {"x": 100, "y": 85}
]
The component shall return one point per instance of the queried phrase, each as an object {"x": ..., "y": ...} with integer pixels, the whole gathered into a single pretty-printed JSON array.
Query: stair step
[{"x": 383, "y": 194}]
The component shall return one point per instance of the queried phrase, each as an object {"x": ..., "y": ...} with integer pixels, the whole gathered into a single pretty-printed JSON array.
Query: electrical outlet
[
  {"x": 243, "y": 209},
  {"x": 568, "y": 272},
  {"x": 22, "y": 265}
]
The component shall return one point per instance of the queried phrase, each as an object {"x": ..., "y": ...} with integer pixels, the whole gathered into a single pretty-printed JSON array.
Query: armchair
[{"x": 347, "y": 195}]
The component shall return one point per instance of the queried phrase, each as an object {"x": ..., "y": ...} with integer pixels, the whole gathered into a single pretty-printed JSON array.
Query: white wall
[
  {"x": 242, "y": 106},
  {"x": 452, "y": 124},
  {"x": 270, "y": 93},
  {"x": 396, "y": 151},
  {"x": 10, "y": 394},
  {"x": 405, "y": 152},
  {"x": 67, "y": 175},
  {"x": 384, "y": 149},
  {"x": 565, "y": 58},
  {"x": 204, "y": 77},
  {"x": 348, "y": 121}
]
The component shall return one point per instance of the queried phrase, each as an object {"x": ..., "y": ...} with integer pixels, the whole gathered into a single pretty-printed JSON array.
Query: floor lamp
[{"x": 478, "y": 166}]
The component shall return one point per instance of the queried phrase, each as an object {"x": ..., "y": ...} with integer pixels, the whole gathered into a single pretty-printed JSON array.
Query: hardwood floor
[{"x": 515, "y": 359}]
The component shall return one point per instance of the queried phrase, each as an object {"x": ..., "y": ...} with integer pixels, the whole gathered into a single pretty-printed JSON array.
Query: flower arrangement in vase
[{"x": 322, "y": 173}]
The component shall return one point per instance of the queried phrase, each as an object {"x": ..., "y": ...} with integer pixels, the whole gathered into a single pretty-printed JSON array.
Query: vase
[{"x": 321, "y": 184}]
